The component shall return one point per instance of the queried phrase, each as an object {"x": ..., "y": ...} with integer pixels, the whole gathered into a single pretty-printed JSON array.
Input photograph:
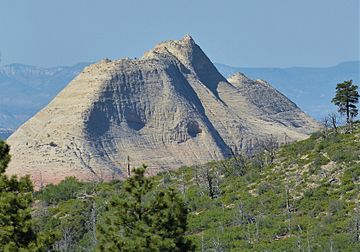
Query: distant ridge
[
  {"x": 5, "y": 133},
  {"x": 26, "y": 89}
]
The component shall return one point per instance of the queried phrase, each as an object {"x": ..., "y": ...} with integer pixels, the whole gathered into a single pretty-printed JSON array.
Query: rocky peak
[
  {"x": 182, "y": 50},
  {"x": 266, "y": 98},
  {"x": 188, "y": 39},
  {"x": 238, "y": 78},
  {"x": 168, "y": 109},
  {"x": 239, "y": 75},
  {"x": 191, "y": 57}
]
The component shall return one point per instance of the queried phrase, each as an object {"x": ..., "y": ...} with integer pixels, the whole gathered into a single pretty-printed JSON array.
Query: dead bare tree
[
  {"x": 41, "y": 182},
  {"x": 217, "y": 245},
  {"x": 286, "y": 138},
  {"x": 257, "y": 232},
  {"x": 236, "y": 166},
  {"x": 210, "y": 182},
  {"x": 288, "y": 213},
  {"x": 330, "y": 124},
  {"x": 209, "y": 178},
  {"x": 241, "y": 211},
  {"x": 308, "y": 242},
  {"x": 259, "y": 159},
  {"x": 331, "y": 244},
  {"x": 202, "y": 243},
  {"x": 128, "y": 166},
  {"x": 287, "y": 199},
  {"x": 242, "y": 217},
  {"x": 264, "y": 151},
  {"x": 334, "y": 120},
  {"x": 357, "y": 223},
  {"x": 183, "y": 185},
  {"x": 91, "y": 223},
  {"x": 326, "y": 126},
  {"x": 66, "y": 243},
  {"x": 270, "y": 145},
  {"x": 298, "y": 238}
]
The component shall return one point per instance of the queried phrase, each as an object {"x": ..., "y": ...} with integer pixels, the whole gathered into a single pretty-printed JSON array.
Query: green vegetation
[
  {"x": 148, "y": 219},
  {"x": 306, "y": 198},
  {"x": 346, "y": 99},
  {"x": 16, "y": 196}
]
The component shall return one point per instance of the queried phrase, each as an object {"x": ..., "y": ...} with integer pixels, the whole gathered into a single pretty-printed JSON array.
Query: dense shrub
[{"x": 65, "y": 190}]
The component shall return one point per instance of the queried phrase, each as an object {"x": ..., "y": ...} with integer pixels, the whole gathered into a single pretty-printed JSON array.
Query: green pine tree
[
  {"x": 168, "y": 222},
  {"x": 16, "y": 196},
  {"x": 346, "y": 99},
  {"x": 139, "y": 219}
]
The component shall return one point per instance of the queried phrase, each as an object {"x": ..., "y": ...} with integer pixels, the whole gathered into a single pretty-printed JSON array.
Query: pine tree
[
  {"x": 16, "y": 233},
  {"x": 346, "y": 99},
  {"x": 168, "y": 222},
  {"x": 140, "y": 219}
]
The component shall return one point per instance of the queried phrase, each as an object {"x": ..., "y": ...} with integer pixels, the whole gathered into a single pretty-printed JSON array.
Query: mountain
[
  {"x": 26, "y": 89},
  {"x": 168, "y": 109},
  {"x": 311, "y": 88}
]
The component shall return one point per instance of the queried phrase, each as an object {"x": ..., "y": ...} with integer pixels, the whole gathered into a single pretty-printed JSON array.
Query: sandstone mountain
[{"x": 167, "y": 109}]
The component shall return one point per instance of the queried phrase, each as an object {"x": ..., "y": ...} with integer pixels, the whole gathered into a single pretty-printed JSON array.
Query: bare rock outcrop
[{"x": 168, "y": 109}]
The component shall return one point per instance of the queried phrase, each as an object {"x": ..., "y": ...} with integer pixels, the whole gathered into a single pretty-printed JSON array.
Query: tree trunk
[{"x": 347, "y": 112}]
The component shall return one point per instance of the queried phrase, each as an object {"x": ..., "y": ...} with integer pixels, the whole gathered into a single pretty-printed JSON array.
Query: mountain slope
[
  {"x": 167, "y": 109},
  {"x": 306, "y": 199},
  {"x": 311, "y": 88}
]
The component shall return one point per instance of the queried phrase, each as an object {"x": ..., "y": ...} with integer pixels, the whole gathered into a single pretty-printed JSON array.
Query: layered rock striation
[{"x": 168, "y": 109}]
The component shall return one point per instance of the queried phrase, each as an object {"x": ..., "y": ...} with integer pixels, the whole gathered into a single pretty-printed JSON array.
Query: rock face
[{"x": 167, "y": 109}]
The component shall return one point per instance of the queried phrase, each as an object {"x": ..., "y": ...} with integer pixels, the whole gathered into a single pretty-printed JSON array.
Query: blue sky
[{"x": 253, "y": 33}]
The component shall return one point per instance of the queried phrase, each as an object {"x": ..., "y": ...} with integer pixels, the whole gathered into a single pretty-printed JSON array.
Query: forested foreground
[{"x": 300, "y": 197}]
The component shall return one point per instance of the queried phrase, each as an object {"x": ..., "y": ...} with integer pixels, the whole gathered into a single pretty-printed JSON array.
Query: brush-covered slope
[
  {"x": 167, "y": 109},
  {"x": 307, "y": 199}
]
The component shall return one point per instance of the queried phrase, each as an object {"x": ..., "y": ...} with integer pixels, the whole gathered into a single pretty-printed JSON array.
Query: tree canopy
[
  {"x": 346, "y": 99},
  {"x": 140, "y": 219},
  {"x": 16, "y": 233}
]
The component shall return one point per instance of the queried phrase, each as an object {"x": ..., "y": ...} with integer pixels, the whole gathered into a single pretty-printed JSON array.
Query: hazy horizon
[
  {"x": 215, "y": 63},
  {"x": 236, "y": 33}
]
